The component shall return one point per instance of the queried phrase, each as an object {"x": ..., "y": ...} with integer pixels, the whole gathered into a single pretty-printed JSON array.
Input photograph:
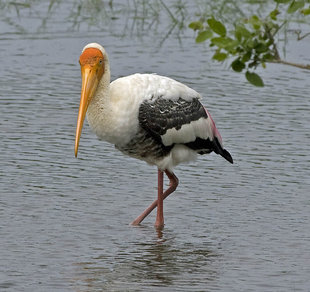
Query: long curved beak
[{"x": 89, "y": 85}]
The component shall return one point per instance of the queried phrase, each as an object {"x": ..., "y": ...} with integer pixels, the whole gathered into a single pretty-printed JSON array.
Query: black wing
[{"x": 181, "y": 122}]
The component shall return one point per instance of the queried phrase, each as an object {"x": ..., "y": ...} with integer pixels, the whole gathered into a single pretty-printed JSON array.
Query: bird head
[{"x": 93, "y": 61}]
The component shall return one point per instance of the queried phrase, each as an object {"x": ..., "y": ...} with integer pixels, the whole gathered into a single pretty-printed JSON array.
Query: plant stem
[{"x": 280, "y": 61}]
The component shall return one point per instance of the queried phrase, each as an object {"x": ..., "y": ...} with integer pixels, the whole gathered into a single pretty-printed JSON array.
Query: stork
[{"x": 146, "y": 116}]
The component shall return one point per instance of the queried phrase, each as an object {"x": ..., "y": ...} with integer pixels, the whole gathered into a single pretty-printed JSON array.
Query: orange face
[
  {"x": 93, "y": 57},
  {"x": 92, "y": 69}
]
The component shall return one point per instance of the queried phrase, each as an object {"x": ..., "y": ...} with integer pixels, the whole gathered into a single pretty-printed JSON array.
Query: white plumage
[
  {"x": 113, "y": 115},
  {"x": 146, "y": 116}
]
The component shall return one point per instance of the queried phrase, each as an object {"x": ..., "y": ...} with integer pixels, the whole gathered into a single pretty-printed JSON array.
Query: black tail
[
  {"x": 223, "y": 152},
  {"x": 204, "y": 146},
  {"x": 227, "y": 155}
]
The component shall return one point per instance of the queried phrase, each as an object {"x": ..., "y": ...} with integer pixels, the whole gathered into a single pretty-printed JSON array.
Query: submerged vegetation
[{"x": 247, "y": 34}]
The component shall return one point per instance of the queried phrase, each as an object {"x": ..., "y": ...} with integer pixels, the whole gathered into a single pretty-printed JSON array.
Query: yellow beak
[{"x": 89, "y": 86}]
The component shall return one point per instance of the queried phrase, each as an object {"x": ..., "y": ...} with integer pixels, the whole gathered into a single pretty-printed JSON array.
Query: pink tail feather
[{"x": 218, "y": 138}]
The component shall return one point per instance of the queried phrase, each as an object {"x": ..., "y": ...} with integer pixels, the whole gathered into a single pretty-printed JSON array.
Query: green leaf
[
  {"x": 217, "y": 26},
  {"x": 196, "y": 25},
  {"x": 261, "y": 48},
  {"x": 295, "y": 5},
  {"x": 238, "y": 36},
  {"x": 221, "y": 42},
  {"x": 237, "y": 65},
  {"x": 219, "y": 56},
  {"x": 240, "y": 30},
  {"x": 255, "y": 21},
  {"x": 246, "y": 57},
  {"x": 226, "y": 43},
  {"x": 273, "y": 14},
  {"x": 306, "y": 11},
  {"x": 254, "y": 79},
  {"x": 268, "y": 57},
  {"x": 203, "y": 36},
  {"x": 282, "y": 1}
]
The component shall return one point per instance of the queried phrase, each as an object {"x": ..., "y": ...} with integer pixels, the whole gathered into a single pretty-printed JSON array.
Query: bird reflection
[
  {"x": 160, "y": 262},
  {"x": 160, "y": 236}
]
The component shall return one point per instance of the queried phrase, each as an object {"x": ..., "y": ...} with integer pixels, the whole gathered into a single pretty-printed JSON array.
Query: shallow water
[{"x": 64, "y": 221}]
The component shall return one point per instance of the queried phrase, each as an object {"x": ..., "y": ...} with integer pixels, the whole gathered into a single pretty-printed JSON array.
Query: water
[{"x": 64, "y": 221}]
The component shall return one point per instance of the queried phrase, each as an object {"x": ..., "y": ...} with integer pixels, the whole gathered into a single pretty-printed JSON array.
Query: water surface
[{"x": 64, "y": 221}]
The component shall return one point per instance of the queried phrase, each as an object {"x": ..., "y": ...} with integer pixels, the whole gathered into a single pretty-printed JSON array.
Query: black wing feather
[
  {"x": 157, "y": 117},
  {"x": 163, "y": 114}
]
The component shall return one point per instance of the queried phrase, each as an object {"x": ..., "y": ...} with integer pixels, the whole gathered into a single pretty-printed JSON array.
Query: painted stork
[{"x": 146, "y": 116}]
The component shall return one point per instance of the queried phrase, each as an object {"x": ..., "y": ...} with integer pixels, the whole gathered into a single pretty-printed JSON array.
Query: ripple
[{"x": 64, "y": 221}]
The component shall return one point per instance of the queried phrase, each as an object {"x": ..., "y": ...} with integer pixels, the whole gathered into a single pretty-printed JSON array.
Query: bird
[{"x": 146, "y": 116}]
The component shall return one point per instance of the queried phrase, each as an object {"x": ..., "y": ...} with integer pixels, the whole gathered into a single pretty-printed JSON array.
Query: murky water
[{"x": 64, "y": 221}]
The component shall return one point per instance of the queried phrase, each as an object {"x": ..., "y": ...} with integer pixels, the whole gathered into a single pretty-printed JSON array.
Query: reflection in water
[
  {"x": 153, "y": 263},
  {"x": 119, "y": 18},
  {"x": 160, "y": 235}
]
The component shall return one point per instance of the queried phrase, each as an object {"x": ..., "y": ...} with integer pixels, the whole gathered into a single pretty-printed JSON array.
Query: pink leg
[
  {"x": 159, "y": 223},
  {"x": 172, "y": 187}
]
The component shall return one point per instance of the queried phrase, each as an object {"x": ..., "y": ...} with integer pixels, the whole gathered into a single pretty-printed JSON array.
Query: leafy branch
[{"x": 252, "y": 41}]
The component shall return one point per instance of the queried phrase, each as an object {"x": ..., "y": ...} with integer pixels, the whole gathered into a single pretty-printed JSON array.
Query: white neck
[
  {"x": 100, "y": 109},
  {"x": 102, "y": 94}
]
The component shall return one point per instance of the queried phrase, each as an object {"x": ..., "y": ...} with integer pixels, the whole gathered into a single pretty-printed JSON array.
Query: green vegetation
[
  {"x": 246, "y": 34},
  {"x": 252, "y": 41}
]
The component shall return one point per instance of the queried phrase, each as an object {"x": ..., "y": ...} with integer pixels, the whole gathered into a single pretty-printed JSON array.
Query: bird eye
[{"x": 100, "y": 61}]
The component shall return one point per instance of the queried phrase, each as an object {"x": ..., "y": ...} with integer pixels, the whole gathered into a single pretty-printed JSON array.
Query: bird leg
[
  {"x": 172, "y": 187},
  {"x": 159, "y": 223}
]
